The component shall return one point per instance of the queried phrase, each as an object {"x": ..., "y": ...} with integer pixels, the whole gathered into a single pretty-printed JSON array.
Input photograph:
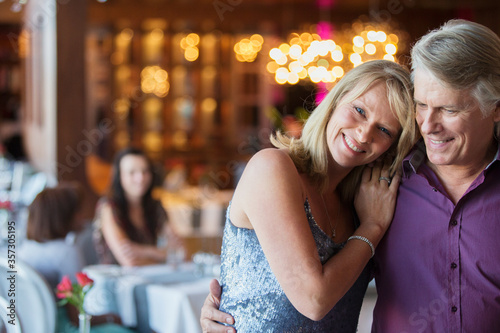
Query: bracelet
[{"x": 366, "y": 240}]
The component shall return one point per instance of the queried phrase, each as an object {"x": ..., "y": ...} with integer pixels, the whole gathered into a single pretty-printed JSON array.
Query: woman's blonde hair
[{"x": 310, "y": 151}]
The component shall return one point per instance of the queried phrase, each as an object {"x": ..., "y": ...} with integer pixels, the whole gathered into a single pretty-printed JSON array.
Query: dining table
[
  {"x": 163, "y": 298},
  {"x": 168, "y": 298}
]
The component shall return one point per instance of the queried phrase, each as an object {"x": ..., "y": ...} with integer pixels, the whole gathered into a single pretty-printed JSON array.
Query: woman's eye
[
  {"x": 385, "y": 131},
  {"x": 360, "y": 111}
]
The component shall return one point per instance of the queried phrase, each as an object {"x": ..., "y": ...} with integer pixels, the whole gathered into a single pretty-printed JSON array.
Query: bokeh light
[
  {"x": 190, "y": 46},
  {"x": 247, "y": 49},
  {"x": 154, "y": 80},
  {"x": 308, "y": 56}
]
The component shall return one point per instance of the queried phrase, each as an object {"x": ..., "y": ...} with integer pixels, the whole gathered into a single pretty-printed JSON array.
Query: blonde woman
[{"x": 295, "y": 251}]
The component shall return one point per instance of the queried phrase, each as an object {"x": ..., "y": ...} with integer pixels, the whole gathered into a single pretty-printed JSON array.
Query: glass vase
[{"x": 84, "y": 322}]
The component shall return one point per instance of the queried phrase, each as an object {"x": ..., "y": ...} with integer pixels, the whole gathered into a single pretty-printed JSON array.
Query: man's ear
[{"x": 496, "y": 113}]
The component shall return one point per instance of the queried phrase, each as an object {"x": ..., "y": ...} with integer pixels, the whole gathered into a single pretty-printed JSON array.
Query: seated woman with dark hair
[
  {"x": 128, "y": 220},
  {"x": 50, "y": 248},
  {"x": 51, "y": 234}
]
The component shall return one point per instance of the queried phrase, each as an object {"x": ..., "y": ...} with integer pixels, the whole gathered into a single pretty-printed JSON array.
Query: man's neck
[{"x": 456, "y": 179}]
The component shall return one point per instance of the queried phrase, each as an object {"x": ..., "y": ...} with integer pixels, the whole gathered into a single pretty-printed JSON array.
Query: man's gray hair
[{"x": 463, "y": 55}]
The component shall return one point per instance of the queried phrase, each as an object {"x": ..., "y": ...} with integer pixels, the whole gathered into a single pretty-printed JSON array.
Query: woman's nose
[{"x": 365, "y": 133}]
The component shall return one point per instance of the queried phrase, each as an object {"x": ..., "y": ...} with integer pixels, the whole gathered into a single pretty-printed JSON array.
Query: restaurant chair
[
  {"x": 84, "y": 239},
  {"x": 7, "y": 316},
  {"x": 35, "y": 302}
]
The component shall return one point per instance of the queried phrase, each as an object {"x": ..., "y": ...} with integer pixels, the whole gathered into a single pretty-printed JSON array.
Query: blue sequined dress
[{"x": 252, "y": 295}]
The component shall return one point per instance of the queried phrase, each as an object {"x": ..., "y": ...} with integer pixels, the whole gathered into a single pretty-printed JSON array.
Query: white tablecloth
[
  {"x": 176, "y": 308},
  {"x": 128, "y": 292}
]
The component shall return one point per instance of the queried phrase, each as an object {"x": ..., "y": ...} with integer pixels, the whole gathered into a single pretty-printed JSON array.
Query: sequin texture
[{"x": 252, "y": 294}]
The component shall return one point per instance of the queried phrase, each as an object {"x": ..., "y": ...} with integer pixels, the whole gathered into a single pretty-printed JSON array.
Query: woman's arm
[
  {"x": 142, "y": 254},
  {"x": 270, "y": 199},
  {"x": 127, "y": 252}
]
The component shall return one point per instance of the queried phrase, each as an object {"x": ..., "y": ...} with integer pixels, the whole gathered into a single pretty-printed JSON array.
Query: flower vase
[{"x": 84, "y": 322}]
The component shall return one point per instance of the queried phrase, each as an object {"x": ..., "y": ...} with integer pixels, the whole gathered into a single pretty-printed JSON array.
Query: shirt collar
[
  {"x": 496, "y": 158},
  {"x": 414, "y": 159},
  {"x": 417, "y": 156}
]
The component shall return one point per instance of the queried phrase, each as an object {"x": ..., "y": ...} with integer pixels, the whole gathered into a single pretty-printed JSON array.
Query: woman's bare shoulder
[
  {"x": 272, "y": 159},
  {"x": 269, "y": 179},
  {"x": 106, "y": 212},
  {"x": 270, "y": 167}
]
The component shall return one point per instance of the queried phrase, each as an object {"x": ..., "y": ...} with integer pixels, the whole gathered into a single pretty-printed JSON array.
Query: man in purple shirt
[{"x": 437, "y": 268}]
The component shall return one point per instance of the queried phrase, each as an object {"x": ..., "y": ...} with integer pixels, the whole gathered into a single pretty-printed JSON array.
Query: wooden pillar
[{"x": 72, "y": 144}]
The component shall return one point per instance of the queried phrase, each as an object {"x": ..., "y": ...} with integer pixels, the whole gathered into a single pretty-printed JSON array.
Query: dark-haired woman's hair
[
  {"x": 153, "y": 214},
  {"x": 52, "y": 213}
]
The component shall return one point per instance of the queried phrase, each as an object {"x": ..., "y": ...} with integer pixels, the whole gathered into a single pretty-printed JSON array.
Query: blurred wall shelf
[
  {"x": 179, "y": 94},
  {"x": 10, "y": 76}
]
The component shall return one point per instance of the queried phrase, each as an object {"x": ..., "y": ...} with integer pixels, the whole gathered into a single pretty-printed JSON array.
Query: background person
[
  {"x": 128, "y": 220},
  {"x": 51, "y": 250}
]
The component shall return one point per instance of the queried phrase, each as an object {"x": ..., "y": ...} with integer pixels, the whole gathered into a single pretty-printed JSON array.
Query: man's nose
[{"x": 428, "y": 121}]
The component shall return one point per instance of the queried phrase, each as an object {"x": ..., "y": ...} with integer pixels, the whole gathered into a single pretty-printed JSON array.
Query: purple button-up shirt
[{"x": 438, "y": 266}]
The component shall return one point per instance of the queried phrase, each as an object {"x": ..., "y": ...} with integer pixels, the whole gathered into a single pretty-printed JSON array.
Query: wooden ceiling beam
[{"x": 218, "y": 14}]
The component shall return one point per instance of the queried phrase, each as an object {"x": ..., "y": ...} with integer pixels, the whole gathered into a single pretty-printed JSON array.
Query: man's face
[{"x": 454, "y": 129}]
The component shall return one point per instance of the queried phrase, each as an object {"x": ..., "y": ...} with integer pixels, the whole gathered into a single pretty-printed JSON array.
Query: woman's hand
[
  {"x": 132, "y": 252},
  {"x": 210, "y": 313},
  {"x": 376, "y": 198}
]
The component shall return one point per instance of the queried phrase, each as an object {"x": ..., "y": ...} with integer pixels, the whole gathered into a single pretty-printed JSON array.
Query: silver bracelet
[{"x": 366, "y": 240}]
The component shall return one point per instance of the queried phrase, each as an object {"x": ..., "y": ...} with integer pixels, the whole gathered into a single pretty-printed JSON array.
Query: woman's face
[
  {"x": 362, "y": 130},
  {"x": 135, "y": 175}
]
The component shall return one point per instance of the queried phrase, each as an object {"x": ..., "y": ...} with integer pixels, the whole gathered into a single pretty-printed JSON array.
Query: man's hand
[{"x": 210, "y": 313}]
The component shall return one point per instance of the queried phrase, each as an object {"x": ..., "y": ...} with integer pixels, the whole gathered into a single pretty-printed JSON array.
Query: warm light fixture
[
  {"x": 308, "y": 56},
  {"x": 154, "y": 80},
  {"x": 247, "y": 49},
  {"x": 190, "y": 46}
]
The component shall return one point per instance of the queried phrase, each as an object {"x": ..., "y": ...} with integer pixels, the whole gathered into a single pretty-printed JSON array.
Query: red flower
[
  {"x": 64, "y": 288},
  {"x": 74, "y": 293},
  {"x": 83, "y": 279},
  {"x": 7, "y": 205}
]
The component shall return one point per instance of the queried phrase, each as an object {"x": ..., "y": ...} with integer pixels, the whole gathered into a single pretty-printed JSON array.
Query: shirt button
[
  {"x": 434, "y": 189},
  {"x": 454, "y": 309},
  {"x": 453, "y": 222},
  {"x": 453, "y": 265}
]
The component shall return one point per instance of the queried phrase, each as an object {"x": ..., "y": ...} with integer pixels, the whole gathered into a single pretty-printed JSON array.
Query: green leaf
[{"x": 62, "y": 302}]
